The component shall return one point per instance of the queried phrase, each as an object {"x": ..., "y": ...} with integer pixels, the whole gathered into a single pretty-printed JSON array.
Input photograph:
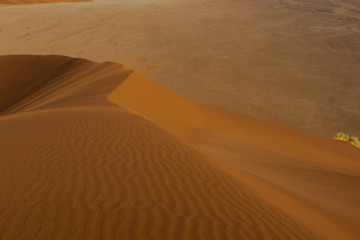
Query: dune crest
[{"x": 98, "y": 151}]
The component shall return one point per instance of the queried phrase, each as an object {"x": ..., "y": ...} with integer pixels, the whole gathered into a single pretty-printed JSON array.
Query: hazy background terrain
[{"x": 293, "y": 62}]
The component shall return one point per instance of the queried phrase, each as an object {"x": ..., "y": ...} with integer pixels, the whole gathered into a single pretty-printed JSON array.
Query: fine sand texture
[
  {"x": 294, "y": 62},
  {"x": 98, "y": 151}
]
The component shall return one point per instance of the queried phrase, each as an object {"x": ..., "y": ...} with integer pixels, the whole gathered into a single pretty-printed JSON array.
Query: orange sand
[
  {"x": 98, "y": 151},
  {"x": 293, "y": 62}
]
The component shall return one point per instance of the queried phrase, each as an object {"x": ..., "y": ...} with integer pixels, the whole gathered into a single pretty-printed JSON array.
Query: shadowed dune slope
[
  {"x": 98, "y": 151},
  {"x": 293, "y": 62}
]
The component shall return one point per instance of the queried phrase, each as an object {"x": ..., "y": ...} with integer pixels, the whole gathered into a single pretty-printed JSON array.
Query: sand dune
[
  {"x": 294, "y": 62},
  {"x": 98, "y": 151},
  {"x": 323, "y": 173}
]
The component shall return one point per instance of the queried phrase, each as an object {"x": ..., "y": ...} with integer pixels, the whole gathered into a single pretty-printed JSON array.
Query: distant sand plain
[
  {"x": 293, "y": 62},
  {"x": 22, "y": 2},
  {"x": 99, "y": 151}
]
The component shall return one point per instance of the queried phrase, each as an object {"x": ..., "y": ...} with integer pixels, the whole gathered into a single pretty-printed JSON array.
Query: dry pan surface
[
  {"x": 295, "y": 62},
  {"x": 38, "y": 1},
  {"x": 98, "y": 151}
]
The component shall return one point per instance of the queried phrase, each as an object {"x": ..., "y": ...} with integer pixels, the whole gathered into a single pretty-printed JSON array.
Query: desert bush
[
  {"x": 354, "y": 141},
  {"x": 340, "y": 136}
]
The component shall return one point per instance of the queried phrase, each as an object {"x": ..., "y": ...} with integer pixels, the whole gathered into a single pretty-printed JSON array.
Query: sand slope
[
  {"x": 321, "y": 172},
  {"x": 98, "y": 151},
  {"x": 294, "y": 62}
]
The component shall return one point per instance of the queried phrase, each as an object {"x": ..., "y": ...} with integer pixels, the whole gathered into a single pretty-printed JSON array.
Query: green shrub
[
  {"x": 340, "y": 136},
  {"x": 354, "y": 141}
]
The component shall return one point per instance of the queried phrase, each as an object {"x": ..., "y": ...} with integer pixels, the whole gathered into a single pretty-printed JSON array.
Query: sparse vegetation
[{"x": 346, "y": 138}]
